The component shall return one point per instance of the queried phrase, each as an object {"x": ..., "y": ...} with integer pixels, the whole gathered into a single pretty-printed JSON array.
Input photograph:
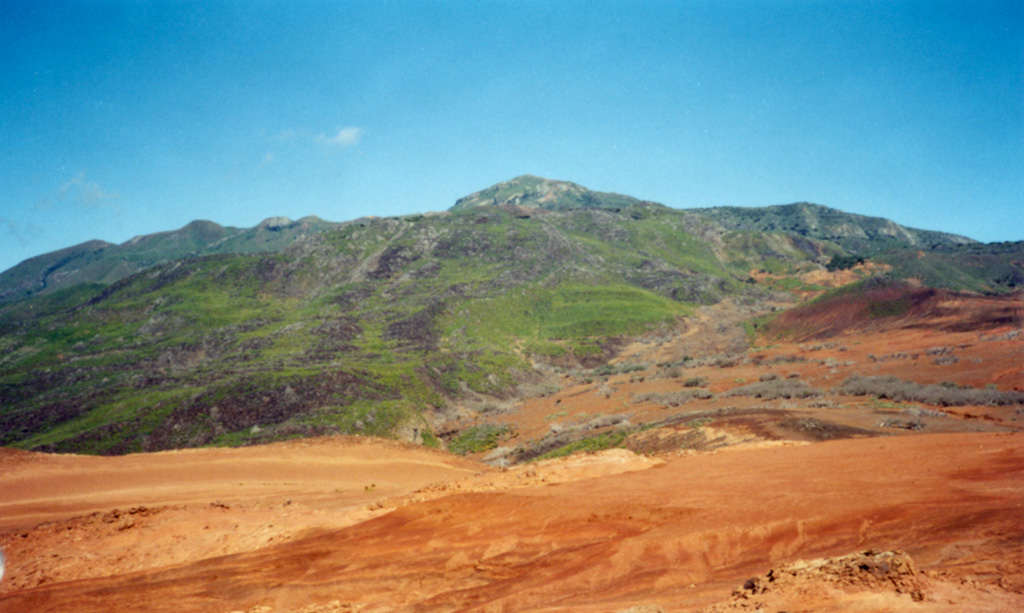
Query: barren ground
[{"x": 735, "y": 502}]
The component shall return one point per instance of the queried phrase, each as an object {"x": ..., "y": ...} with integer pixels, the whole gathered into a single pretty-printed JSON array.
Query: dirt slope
[
  {"x": 829, "y": 502},
  {"x": 65, "y": 517},
  {"x": 679, "y": 534}
]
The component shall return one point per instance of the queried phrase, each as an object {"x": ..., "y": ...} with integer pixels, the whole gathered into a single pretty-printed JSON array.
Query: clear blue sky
[{"x": 126, "y": 118}]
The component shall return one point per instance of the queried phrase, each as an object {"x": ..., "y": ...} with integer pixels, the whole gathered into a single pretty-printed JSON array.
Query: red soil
[
  {"x": 342, "y": 524},
  {"x": 679, "y": 534}
]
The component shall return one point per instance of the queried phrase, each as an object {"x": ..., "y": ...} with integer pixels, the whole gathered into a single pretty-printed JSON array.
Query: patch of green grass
[
  {"x": 372, "y": 418},
  {"x": 608, "y": 440},
  {"x": 700, "y": 422},
  {"x": 753, "y": 327},
  {"x": 573, "y": 313},
  {"x": 546, "y": 349},
  {"x": 477, "y": 439},
  {"x": 429, "y": 440},
  {"x": 149, "y": 407}
]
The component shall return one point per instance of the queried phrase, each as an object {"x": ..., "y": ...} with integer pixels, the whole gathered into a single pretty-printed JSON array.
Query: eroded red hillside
[
  {"x": 680, "y": 534},
  {"x": 824, "y": 502}
]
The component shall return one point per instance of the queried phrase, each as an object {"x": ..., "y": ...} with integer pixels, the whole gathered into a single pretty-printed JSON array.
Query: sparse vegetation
[
  {"x": 940, "y": 395},
  {"x": 774, "y": 388},
  {"x": 673, "y": 399},
  {"x": 843, "y": 262},
  {"x": 477, "y": 439},
  {"x": 696, "y": 382},
  {"x": 369, "y": 326},
  {"x": 608, "y": 440}
]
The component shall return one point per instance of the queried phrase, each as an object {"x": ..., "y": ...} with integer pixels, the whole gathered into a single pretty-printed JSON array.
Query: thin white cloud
[
  {"x": 14, "y": 229},
  {"x": 83, "y": 192},
  {"x": 346, "y": 137},
  {"x": 70, "y": 185},
  {"x": 343, "y": 138}
]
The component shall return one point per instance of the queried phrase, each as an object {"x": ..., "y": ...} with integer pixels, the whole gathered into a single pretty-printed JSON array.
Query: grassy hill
[
  {"x": 855, "y": 234},
  {"x": 212, "y": 335},
  {"x": 102, "y": 262}
]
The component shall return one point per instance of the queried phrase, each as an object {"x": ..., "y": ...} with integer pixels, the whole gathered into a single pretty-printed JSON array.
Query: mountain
[
  {"x": 537, "y": 192},
  {"x": 102, "y": 262},
  {"x": 856, "y": 234},
  {"x": 396, "y": 326}
]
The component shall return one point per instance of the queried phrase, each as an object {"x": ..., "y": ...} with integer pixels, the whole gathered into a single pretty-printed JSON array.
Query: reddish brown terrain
[{"x": 728, "y": 501}]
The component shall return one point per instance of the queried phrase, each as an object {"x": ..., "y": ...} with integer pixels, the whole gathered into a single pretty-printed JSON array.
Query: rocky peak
[
  {"x": 537, "y": 192},
  {"x": 275, "y": 223}
]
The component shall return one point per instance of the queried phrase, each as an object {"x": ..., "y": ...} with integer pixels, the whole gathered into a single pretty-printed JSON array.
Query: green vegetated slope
[
  {"x": 102, "y": 262},
  {"x": 992, "y": 268},
  {"x": 371, "y": 327},
  {"x": 374, "y": 326},
  {"x": 857, "y": 234}
]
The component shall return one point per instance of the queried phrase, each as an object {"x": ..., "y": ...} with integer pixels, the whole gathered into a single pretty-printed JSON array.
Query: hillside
[
  {"x": 602, "y": 404},
  {"x": 400, "y": 327},
  {"x": 856, "y": 234},
  {"x": 102, "y": 262}
]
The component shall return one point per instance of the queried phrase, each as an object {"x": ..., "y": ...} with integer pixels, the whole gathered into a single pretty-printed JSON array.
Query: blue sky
[{"x": 126, "y": 118}]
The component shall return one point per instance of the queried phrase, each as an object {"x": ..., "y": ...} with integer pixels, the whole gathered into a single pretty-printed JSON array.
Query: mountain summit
[{"x": 541, "y": 193}]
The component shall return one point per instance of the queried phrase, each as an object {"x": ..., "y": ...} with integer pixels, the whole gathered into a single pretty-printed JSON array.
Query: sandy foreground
[{"x": 343, "y": 524}]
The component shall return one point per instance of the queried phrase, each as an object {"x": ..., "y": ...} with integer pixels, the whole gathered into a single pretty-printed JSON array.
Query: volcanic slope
[
  {"x": 895, "y": 484},
  {"x": 395, "y": 327},
  {"x": 849, "y": 364}
]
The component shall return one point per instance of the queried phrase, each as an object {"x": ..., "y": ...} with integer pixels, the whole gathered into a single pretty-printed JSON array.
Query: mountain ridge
[
  {"x": 98, "y": 261},
  {"x": 853, "y": 231},
  {"x": 102, "y": 262},
  {"x": 396, "y": 326}
]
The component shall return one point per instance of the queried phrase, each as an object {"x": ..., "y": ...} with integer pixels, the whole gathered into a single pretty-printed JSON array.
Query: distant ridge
[
  {"x": 98, "y": 261},
  {"x": 105, "y": 263},
  {"x": 858, "y": 234}
]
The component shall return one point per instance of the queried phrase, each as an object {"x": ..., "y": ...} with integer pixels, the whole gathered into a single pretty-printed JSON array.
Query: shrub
[
  {"x": 610, "y": 369},
  {"x": 723, "y": 361},
  {"x": 776, "y": 388},
  {"x": 673, "y": 373},
  {"x": 940, "y": 395},
  {"x": 843, "y": 262},
  {"x": 673, "y": 399},
  {"x": 696, "y": 382},
  {"x": 788, "y": 359},
  {"x": 916, "y": 425}
]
